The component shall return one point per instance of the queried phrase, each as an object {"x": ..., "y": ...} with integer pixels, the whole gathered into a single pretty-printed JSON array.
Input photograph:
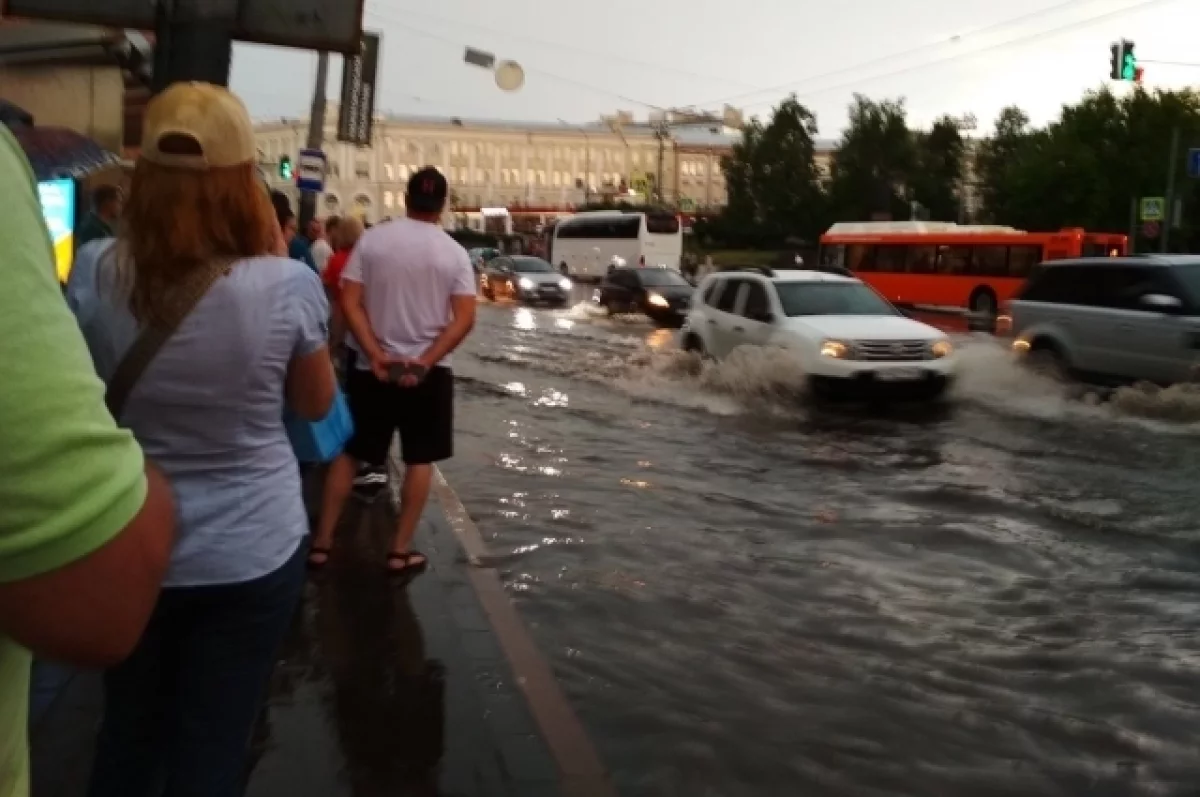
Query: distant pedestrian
[
  {"x": 408, "y": 292},
  {"x": 318, "y": 233},
  {"x": 298, "y": 246},
  {"x": 345, "y": 238},
  {"x": 101, "y": 220}
]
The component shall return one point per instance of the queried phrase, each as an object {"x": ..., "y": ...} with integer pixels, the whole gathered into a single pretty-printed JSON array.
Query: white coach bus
[{"x": 585, "y": 244}]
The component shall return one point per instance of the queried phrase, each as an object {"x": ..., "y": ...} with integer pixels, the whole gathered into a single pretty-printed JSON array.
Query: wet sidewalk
[{"x": 383, "y": 689}]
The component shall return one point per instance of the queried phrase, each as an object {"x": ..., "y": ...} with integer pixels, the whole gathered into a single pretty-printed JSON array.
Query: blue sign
[
  {"x": 310, "y": 170},
  {"x": 1194, "y": 162}
]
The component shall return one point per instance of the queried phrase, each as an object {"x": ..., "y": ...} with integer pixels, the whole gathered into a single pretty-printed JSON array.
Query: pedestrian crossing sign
[{"x": 1153, "y": 208}]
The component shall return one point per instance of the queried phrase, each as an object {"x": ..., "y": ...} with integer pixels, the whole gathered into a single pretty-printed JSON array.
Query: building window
[
  {"x": 529, "y": 177},
  {"x": 541, "y": 177},
  {"x": 389, "y": 199},
  {"x": 387, "y": 171},
  {"x": 556, "y": 179}
]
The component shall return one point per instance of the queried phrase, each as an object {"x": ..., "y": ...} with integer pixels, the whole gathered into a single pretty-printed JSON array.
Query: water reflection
[
  {"x": 524, "y": 319},
  {"x": 354, "y": 667}
]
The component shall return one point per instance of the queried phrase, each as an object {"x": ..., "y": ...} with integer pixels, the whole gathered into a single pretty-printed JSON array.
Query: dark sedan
[
  {"x": 525, "y": 279},
  {"x": 660, "y": 293}
]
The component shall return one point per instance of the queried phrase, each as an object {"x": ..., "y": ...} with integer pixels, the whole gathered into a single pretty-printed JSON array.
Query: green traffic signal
[
  {"x": 285, "y": 167},
  {"x": 1129, "y": 65}
]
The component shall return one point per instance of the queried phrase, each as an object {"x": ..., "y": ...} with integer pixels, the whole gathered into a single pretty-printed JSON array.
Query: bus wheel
[{"x": 983, "y": 302}]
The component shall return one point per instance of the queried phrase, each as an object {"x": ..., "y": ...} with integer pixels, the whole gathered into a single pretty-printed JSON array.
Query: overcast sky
[{"x": 587, "y": 57}]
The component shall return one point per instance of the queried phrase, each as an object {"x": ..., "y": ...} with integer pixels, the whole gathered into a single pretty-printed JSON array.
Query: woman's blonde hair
[
  {"x": 349, "y": 230},
  {"x": 177, "y": 220}
]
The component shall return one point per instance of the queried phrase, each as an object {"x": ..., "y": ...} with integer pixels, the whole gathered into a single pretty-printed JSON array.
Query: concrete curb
[{"x": 581, "y": 772}]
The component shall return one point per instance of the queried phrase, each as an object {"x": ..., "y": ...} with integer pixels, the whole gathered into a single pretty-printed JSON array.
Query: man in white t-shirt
[
  {"x": 318, "y": 233},
  {"x": 408, "y": 293}
]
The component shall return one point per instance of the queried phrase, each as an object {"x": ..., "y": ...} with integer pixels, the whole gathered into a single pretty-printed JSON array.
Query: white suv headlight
[
  {"x": 941, "y": 348},
  {"x": 525, "y": 283},
  {"x": 838, "y": 350},
  {"x": 565, "y": 284}
]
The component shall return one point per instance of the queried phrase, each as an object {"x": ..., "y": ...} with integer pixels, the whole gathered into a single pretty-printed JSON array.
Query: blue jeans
[{"x": 179, "y": 712}]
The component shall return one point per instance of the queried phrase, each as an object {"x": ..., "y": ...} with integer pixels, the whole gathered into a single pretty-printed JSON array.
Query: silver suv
[{"x": 1112, "y": 319}]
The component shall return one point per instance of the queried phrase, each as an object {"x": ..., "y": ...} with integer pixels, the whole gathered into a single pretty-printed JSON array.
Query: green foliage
[
  {"x": 772, "y": 181},
  {"x": 874, "y": 162},
  {"x": 1087, "y": 168},
  {"x": 1082, "y": 170}
]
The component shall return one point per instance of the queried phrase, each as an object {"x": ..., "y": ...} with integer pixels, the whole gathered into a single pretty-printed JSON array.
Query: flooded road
[{"x": 746, "y": 596}]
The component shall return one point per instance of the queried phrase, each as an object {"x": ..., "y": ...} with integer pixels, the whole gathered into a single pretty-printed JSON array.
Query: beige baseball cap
[{"x": 209, "y": 115}]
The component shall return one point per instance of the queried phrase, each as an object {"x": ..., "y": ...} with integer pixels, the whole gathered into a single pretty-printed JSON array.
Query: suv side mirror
[{"x": 1161, "y": 303}]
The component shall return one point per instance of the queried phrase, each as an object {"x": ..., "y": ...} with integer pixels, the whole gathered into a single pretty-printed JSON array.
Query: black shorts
[{"x": 423, "y": 415}]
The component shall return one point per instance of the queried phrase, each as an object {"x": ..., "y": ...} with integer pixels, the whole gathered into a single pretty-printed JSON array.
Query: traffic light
[
  {"x": 1123, "y": 64},
  {"x": 285, "y": 167},
  {"x": 1129, "y": 67}
]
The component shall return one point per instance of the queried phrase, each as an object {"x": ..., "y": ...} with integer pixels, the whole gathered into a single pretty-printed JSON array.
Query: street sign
[
  {"x": 1154, "y": 208},
  {"x": 356, "y": 116},
  {"x": 1150, "y": 229},
  {"x": 310, "y": 172},
  {"x": 1194, "y": 162}
]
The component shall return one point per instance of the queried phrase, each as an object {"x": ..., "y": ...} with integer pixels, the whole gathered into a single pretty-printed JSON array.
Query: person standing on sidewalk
[
  {"x": 197, "y": 253},
  {"x": 101, "y": 220},
  {"x": 408, "y": 293},
  {"x": 321, "y": 234},
  {"x": 298, "y": 247},
  {"x": 86, "y": 523}
]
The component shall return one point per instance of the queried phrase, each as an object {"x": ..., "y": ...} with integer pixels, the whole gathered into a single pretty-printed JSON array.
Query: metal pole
[
  {"x": 316, "y": 136},
  {"x": 587, "y": 168},
  {"x": 1133, "y": 231},
  {"x": 662, "y": 144},
  {"x": 1170, "y": 197}
]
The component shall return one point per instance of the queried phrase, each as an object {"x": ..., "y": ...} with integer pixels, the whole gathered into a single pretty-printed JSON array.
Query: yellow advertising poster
[{"x": 58, "y": 208}]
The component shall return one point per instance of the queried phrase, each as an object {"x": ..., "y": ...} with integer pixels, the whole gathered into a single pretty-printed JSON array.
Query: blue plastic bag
[{"x": 320, "y": 441}]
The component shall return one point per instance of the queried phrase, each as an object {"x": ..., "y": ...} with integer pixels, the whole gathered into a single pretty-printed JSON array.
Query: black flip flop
[{"x": 407, "y": 568}]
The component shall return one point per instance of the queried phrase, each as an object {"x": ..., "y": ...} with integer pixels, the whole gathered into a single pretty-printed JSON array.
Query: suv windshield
[
  {"x": 661, "y": 277},
  {"x": 531, "y": 265},
  {"x": 831, "y": 298}
]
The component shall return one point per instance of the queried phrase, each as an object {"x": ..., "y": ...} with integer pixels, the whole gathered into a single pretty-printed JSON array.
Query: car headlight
[
  {"x": 658, "y": 301},
  {"x": 525, "y": 283},
  {"x": 835, "y": 349},
  {"x": 565, "y": 284},
  {"x": 1020, "y": 346},
  {"x": 941, "y": 348}
]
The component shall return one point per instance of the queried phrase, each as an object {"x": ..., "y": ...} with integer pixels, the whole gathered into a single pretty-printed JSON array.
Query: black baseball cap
[{"x": 426, "y": 191}]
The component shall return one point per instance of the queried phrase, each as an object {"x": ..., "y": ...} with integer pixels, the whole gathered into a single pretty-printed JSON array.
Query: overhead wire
[
  {"x": 572, "y": 47},
  {"x": 791, "y": 85}
]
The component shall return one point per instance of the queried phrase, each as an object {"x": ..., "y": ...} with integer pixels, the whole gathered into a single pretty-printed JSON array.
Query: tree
[
  {"x": 1088, "y": 168},
  {"x": 772, "y": 181},
  {"x": 936, "y": 179},
  {"x": 874, "y": 162}
]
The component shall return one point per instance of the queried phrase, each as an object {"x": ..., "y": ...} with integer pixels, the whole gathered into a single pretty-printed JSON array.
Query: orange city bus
[{"x": 939, "y": 264}]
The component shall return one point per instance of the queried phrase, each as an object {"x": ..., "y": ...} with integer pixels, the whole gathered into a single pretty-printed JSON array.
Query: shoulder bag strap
[{"x": 152, "y": 338}]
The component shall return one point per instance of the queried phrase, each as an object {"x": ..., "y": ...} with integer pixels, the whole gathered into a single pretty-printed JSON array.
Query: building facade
[{"x": 495, "y": 164}]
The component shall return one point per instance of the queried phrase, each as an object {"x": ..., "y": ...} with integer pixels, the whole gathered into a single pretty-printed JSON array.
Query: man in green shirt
[{"x": 86, "y": 526}]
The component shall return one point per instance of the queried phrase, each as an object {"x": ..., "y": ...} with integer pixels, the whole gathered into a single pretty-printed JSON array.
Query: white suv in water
[{"x": 848, "y": 339}]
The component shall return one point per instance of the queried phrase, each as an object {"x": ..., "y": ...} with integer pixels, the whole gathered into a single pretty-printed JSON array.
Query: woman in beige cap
[{"x": 202, "y": 333}]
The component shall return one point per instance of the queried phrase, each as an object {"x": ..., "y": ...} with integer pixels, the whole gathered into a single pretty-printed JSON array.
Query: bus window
[
  {"x": 1022, "y": 259},
  {"x": 921, "y": 259},
  {"x": 1094, "y": 249},
  {"x": 990, "y": 260},
  {"x": 661, "y": 224},
  {"x": 626, "y": 227},
  {"x": 858, "y": 257},
  {"x": 833, "y": 255},
  {"x": 954, "y": 260},
  {"x": 890, "y": 258}
]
